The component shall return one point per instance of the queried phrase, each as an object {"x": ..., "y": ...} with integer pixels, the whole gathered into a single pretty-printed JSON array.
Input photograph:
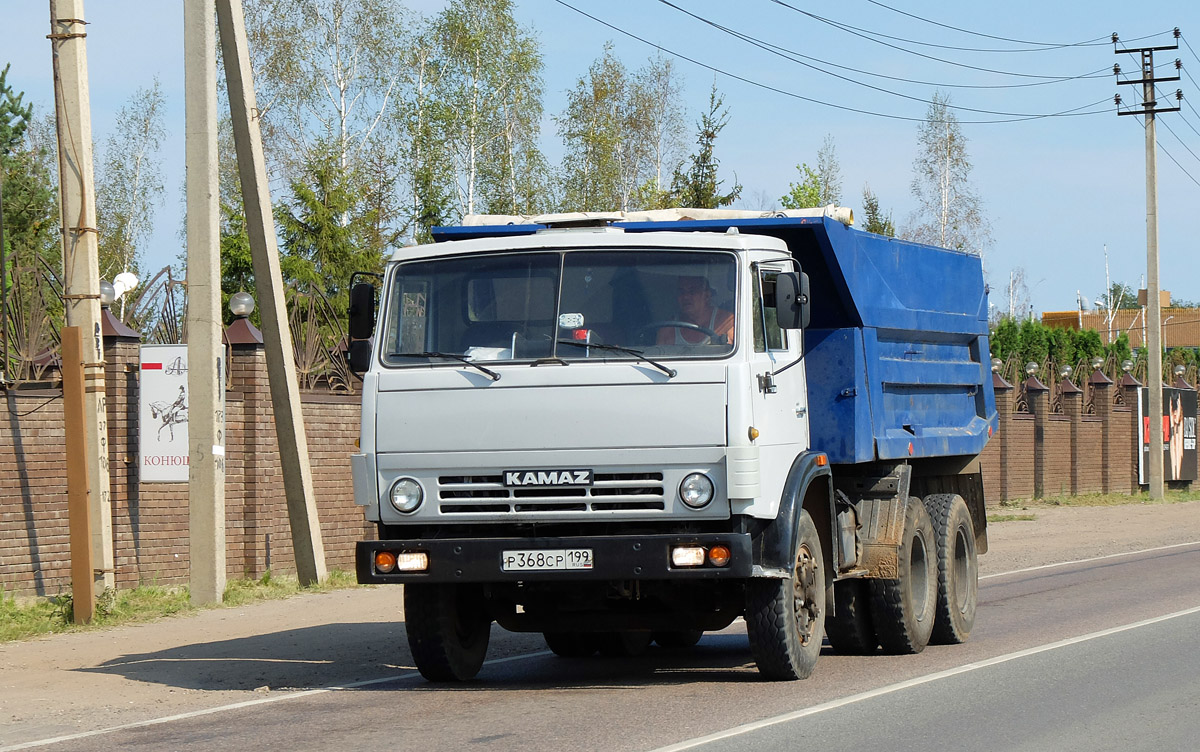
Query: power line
[
  {"x": 785, "y": 53},
  {"x": 1180, "y": 140},
  {"x": 849, "y": 30},
  {"x": 1049, "y": 45},
  {"x": 1170, "y": 156},
  {"x": 1073, "y": 112}
]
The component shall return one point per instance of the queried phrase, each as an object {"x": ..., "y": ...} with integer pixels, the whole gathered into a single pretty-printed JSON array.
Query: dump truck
[{"x": 622, "y": 429}]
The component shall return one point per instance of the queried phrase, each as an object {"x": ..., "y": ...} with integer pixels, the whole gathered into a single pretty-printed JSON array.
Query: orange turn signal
[
  {"x": 822, "y": 460},
  {"x": 385, "y": 561},
  {"x": 719, "y": 555}
]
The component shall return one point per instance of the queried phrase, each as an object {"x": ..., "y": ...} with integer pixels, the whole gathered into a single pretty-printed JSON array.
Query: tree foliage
[
  {"x": 949, "y": 212},
  {"x": 699, "y": 186},
  {"x": 326, "y": 226},
  {"x": 874, "y": 220},
  {"x": 129, "y": 184},
  {"x": 820, "y": 186}
]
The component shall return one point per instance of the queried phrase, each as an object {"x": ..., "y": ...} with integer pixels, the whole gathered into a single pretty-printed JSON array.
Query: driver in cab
[{"x": 700, "y": 322}]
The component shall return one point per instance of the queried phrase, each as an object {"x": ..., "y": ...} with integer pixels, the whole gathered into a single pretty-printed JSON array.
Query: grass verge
[
  {"x": 1011, "y": 517},
  {"x": 20, "y": 620},
  {"x": 1101, "y": 500}
]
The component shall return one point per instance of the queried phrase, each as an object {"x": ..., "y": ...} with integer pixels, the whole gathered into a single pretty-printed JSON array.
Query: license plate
[{"x": 542, "y": 560}]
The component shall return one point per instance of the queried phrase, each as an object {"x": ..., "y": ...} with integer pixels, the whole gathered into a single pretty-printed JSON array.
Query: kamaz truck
[{"x": 618, "y": 429}]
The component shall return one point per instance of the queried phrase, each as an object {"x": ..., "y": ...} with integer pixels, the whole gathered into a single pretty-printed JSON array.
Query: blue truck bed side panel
[{"x": 897, "y": 354}]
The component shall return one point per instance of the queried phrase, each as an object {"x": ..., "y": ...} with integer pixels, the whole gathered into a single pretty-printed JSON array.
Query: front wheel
[
  {"x": 448, "y": 630},
  {"x": 958, "y": 568},
  {"x": 785, "y": 617}
]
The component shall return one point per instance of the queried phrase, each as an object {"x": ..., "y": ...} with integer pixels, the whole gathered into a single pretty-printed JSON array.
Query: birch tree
[
  {"x": 129, "y": 184},
  {"x": 624, "y": 135},
  {"x": 491, "y": 90},
  {"x": 949, "y": 211}
]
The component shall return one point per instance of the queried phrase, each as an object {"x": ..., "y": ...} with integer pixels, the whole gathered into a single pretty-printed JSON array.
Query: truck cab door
[{"x": 779, "y": 401}]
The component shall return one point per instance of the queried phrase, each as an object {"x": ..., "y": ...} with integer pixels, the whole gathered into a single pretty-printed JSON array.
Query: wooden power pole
[
  {"x": 81, "y": 288},
  {"x": 1153, "y": 316},
  {"x": 206, "y": 376},
  {"x": 277, "y": 338}
]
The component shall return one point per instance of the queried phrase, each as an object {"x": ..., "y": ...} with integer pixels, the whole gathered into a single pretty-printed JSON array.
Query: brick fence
[
  {"x": 1064, "y": 442},
  {"x": 1079, "y": 445},
  {"x": 150, "y": 520}
]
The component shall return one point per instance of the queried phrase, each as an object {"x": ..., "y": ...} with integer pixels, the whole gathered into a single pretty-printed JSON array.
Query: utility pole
[
  {"x": 277, "y": 338},
  {"x": 206, "y": 368},
  {"x": 1153, "y": 316},
  {"x": 81, "y": 289}
]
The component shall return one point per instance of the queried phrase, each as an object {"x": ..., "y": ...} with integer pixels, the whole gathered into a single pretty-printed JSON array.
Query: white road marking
[
  {"x": 891, "y": 688},
  {"x": 1086, "y": 561},
  {"x": 247, "y": 704}
]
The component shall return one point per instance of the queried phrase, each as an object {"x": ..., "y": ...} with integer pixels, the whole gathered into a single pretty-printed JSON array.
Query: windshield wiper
[
  {"x": 451, "y": 356},
  {"x": 670, "y": 372}
]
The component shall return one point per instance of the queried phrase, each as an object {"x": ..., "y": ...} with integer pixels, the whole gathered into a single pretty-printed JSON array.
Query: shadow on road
[{"x": 344, "y": 653}]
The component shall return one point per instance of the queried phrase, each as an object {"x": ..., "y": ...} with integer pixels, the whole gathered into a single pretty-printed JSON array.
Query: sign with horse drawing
[{"x": 163, "y": 414}]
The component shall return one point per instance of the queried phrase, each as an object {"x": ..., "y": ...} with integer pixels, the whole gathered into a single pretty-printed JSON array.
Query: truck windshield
[{"x": 556, "y": 304}]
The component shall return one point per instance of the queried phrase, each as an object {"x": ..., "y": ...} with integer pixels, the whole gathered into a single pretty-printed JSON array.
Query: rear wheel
[
  {"x": 958, "y": 568},
  {"x": 448, "y": 630},
  {"x": 785, "y": 617},
  {"x": 903, "y": 608},
  {"x": 571, "y": 644},
  {"x": 849, "y": 628}
]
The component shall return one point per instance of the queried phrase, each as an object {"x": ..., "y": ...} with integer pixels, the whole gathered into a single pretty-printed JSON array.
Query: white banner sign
[{"x": 163, "y": 414}]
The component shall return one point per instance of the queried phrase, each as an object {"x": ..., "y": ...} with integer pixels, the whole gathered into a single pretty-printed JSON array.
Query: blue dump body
[{"x": 897, "y": 350}]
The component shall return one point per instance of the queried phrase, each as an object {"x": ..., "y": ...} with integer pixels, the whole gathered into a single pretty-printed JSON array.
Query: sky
[{"x": 1057, "y": 191}]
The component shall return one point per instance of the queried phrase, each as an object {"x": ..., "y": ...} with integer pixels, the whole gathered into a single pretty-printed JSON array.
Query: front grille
[{"x": 609, "y": 492}]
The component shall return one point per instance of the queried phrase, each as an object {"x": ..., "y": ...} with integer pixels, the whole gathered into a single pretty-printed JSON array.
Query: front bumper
[{"x": 625, "y": 557}]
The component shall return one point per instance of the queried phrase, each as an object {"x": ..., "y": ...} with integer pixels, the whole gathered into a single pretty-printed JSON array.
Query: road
[{"x": 1097, "y": 654}]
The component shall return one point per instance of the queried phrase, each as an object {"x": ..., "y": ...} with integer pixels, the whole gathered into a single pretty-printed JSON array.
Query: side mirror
[
  {"x": 362, "y": 325},
  {"x": 792, "y": 308},
  {"x": 362, "y": 310},
  {"x": 359, "y": 356}
]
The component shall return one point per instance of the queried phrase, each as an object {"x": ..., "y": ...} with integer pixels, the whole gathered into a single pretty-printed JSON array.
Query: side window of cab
[{"x": 767, "y": 333}]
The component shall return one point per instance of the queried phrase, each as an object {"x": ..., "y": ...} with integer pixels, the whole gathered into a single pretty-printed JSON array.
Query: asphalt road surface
[{"x": 1094, "y": 655}]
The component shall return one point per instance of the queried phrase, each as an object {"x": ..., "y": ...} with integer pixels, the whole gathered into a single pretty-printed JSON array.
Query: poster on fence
[
  {"x": 1179, "y": 432},
  {"x": 163, "y": 414}
]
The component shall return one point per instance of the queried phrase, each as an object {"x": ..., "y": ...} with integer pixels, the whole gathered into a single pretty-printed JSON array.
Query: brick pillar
[
  {"x": 1004, "y": 410},
  {"x": 1038, "y": 395},
  {"x": 1130, "y": 387},
  {"x": 1072, "y": 397},
  {"x": 121, "y": 350},
  {"x": 1102, "y": 402}
]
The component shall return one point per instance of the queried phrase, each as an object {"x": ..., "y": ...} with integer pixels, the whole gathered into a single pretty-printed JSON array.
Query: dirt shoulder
[{"x": 69, "y": 683}]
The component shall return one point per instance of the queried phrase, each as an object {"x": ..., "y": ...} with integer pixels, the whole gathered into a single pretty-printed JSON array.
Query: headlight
[
  {"x": 406, "y": 495},
  {"x": 696, "y": 490}
]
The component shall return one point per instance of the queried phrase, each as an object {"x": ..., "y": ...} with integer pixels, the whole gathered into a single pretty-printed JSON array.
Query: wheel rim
[
  {"x": 918, "y": 571},
  {"x": 805, "y": 594},
  {"x": 962, "y": 571}
]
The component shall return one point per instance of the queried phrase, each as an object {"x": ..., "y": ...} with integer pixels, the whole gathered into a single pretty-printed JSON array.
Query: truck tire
[
  {"x": 850, "y": 629},
  {"x": 677, "y": 640},
  {"x": 571, "y": 644},
  {"x": 622, "y": 644},
  {"x": 958, "y": 568},
  {"x": 903, "y": 609},
  {"x": 785, "y": 617},
  {"x": 448, "y": 629}
]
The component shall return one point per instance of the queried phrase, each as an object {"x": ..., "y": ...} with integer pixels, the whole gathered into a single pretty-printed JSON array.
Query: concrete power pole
[
  {"x": 206, "y": 369},
  {"x": 81, "y": 289},
  {"x": 1153, "y": 315},
  {"x": 277, "y": 338}
]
